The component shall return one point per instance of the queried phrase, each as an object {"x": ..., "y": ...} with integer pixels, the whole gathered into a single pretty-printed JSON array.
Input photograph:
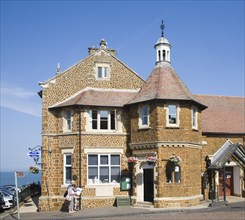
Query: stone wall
[{"x": 59, "y": 88}]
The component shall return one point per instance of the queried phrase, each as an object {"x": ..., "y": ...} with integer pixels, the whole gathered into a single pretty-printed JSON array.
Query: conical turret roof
[{"x": 163, "y": 83}]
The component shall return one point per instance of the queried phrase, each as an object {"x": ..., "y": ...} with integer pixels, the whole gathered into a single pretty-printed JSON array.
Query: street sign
[
  {"x": 33, "y": 154},
  {"x": 20, "y": 174}
]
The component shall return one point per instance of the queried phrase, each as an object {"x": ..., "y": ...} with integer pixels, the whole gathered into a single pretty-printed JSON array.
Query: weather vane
[{"x": 162, "y": 28}]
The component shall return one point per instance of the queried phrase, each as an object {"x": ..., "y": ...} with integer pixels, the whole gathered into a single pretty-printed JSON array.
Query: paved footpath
[{"x": 29, "y": 211}]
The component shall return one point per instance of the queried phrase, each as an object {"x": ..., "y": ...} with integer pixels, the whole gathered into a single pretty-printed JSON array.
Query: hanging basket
[
  {"x": 175, "y": 159},
  {"x": 34, "y": 170},
  {"x": 150, "y": 159},
  {"x": 132, "y": 160}
]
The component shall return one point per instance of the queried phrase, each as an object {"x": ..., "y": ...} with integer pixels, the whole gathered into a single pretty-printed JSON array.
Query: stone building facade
[{"x": 101, "y": 122}]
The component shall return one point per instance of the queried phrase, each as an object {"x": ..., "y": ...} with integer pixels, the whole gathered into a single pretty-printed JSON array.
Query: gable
[{"x": 84, "y": 74}]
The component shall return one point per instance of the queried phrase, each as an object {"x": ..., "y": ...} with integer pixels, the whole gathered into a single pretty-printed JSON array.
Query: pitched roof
[
  {"x": 98, "y": 97},
  {"x": 225, "y": 152},
  {"x": 163, "y": 83},
  {"x": 225, "y": 114}
]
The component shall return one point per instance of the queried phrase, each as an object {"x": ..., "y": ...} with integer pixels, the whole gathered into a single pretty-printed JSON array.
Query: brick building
[{"x": 118, "y": 135}]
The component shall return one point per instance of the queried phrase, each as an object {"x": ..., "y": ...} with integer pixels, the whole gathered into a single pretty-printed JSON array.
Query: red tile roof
[
  {"x": 224, "y": 114},
  {"x": 99, "y": 97},
  {"x": 163, "y": 83}
]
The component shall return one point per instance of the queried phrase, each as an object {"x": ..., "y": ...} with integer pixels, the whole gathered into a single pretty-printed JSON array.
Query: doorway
[
  {"x": 228, "y": 182},
  {"x": 148, "y": 175}
]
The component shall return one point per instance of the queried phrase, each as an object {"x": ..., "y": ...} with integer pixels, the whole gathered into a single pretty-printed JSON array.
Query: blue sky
[{"x": 207, "y": 39}]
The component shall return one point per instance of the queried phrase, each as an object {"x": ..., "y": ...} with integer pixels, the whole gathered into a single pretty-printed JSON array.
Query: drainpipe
[{"x": 80, "y": 157}]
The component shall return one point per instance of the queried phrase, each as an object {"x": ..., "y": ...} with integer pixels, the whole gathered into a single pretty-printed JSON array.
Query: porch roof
[{"x": 226, "y": 152}]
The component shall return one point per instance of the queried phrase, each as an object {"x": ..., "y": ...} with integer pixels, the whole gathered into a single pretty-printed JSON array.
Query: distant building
[{"x": 153, "y": 140}]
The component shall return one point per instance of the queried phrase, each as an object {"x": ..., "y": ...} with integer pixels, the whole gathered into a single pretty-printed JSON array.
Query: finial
[
  {"x": 162, "y": 28},
  {"x": 58, "y": 68},
  {"x": 103, "y": 43}
]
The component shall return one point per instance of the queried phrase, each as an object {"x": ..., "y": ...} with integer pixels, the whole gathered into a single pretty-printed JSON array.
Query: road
[{"x": 234, "y": 211}]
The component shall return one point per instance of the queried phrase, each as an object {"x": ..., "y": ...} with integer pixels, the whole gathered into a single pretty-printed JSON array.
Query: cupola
[{"x": 162, "y": 49}]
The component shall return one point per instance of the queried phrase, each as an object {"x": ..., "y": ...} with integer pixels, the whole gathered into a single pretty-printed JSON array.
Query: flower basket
[
  {"x": 33, "y": 170},
  {"x": 151, "y": 159},
  {"x": 175, "y": 159},
  {"x": 132, "y": 160}
]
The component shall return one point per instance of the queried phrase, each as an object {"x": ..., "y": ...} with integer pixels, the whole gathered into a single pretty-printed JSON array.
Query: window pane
[
  {"x": 172, "y": 114},
  {"x": 103, "y": 119},
  {"x": 94, "y": 119},
  {"x": 93, "y": 174},
  {"x": 177, "y": 174},
  {"x": 144, "y": 115},
  {"x": 113, "y": 122},
  {"x": 144, "y": 120},
  {"x": 92, "y": 159},
  {"x": 115, "y": 159},
  {"x": 105, "y": 72},
  {"x": 104, "y": 174},
  {"x": 68, "y": 160},
  {"x": 104, "y": 159},
  {"x": 115, "y": 174},
  {"x": 194, "y": 117},
  {"x": 68, "y": 120},
  {"x": 99, "y": 72},
  {"x": 68, "y": 175},
  {"x": 168, "y": 174}
]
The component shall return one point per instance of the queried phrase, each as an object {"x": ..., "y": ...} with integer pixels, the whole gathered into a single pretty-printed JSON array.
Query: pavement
[{"x": 29, "y": 211}]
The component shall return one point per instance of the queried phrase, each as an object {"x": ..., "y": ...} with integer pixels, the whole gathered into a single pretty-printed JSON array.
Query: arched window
[
  {"x": 164, "y": 55},
  {"x": 173, "y": 172},
  {"x": 159, "y": 55}
]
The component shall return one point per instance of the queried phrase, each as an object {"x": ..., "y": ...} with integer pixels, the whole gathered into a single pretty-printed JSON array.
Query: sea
[{"x": 8, "y": 178}]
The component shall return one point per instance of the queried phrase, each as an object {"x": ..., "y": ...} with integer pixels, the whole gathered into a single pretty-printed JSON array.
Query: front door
[
  {"x": 228, "y": 182},
  {"x": 148, "y": 185}
]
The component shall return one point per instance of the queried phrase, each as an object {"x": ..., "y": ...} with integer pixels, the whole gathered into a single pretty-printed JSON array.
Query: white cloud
[{"x": 21, "y": 100}]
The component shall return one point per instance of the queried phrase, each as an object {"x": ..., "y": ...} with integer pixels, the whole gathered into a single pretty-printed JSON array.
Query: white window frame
[
  {"x": 66, "y": 166},
  {"x": 109, "y": 122},
  {"x": 140, "y": 111},
  {"x": 105, "y": 71},
  {"x": 168, "y": 124},
  {"x": 194, "y": 118},
  {"x": 67, "y": 123},
  {"x": 96, "y": 181}
]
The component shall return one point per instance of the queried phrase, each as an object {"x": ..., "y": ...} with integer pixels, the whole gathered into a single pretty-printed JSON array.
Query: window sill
[
  {"x": 172, "y": 127},
  {"x": 144, "y": 128},
  {"x": 194, "y": 129}
]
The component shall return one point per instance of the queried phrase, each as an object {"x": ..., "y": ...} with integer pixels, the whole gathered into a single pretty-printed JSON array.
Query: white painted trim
[{"x": 179, "y": 198}]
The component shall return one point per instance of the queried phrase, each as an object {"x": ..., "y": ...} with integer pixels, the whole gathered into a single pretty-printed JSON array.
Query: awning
[{"x": 228, "y": 151}]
